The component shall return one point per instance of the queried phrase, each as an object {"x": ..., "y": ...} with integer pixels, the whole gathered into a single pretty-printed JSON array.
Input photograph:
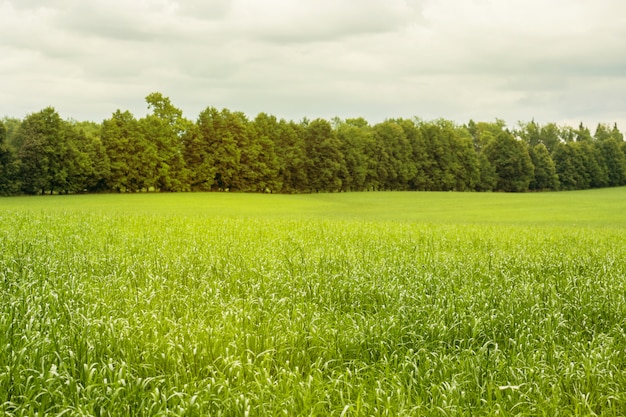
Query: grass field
[{"x": 330, "y": 304}]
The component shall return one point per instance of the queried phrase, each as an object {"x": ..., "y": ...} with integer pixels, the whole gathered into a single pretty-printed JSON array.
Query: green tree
[
  {"x": 605, "y": 132},
  {"x": 570, "y": 167},
  {"x": 395, "y": 167},
  {"x": 483, "y": 132},
  {"x": 488, "y": 179},
  {"x": 8, "y": 165},
  {"x": 616, "y": 134},
  {"x": 12, "y": 126},
  {"x": 90, "y": 168},
  {"x": 534, "y": 134},
  {"x": 453, "y": 164},
  {"x": 551, "y": 136},
  {"x": 43, "y": 152},
  {"x": 291, "y": 156},
  {"x": 325, "y": 163},
  {"x": 165, "y": 129},
  {"x": 615, "y": 160},
  {"x": 530, "y": 133},
  {"x": 132, "y": 158},
  {"x": 512, "y": 162},
  {"x": 595, "y": 169},
  {"x": 198, "y": 159},
  {"x": 218, "y": 141},
  {"x": 545, "y": 177},
  {"x": 262, "y": 153},
  {"x": 359, "y": 151},
  {"x": 583, "y": 134}
]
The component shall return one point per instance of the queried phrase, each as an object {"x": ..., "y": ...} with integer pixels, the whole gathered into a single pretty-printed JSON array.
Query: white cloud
[{"x": 553, "y": 61}]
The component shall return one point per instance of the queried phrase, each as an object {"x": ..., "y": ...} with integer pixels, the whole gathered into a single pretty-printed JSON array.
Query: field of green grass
[{"x": 443, "y": 304}]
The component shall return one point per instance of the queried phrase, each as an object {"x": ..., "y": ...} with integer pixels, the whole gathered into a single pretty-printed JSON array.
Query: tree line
[{"x": 225, "y": 151}]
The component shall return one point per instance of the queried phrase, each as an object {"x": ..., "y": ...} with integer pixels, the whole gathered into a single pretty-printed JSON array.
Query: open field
[{"x": 330, "y": 304}]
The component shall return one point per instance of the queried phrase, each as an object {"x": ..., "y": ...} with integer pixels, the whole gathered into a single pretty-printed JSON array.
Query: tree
[
  {"x": 165, "y": 128},
  {"x": 43, "y": 152},
  {"x": 583, "y": 134},
  {"x": 512, "y": 162},
  {"x": 90, "y": 167},
  {"x": 595, "y": 170},
  {"x": 8, "y": 165},
  {"x": 291, "y": 156},
  {"x": 219, "y": 144},
  {"x": 483, "y": 132},
  {"x": 534, "y": 134},
  {"x": 570, "y": 167},
  {"x": 395, "y": 167},
  {"x": 616, "y": 134},
  {"x": 325, "y": 163},
  {"x": 198, "y": 159},
  {"x": 453, "y": 163},
  {"x": 605, "y": 132},
  {"x": 545, "y": 177},
  {"x": 615, "y": 161},
  {"x": 133, "y": 159},
  {"x": 530, "y": 133},
  {"x": 488, "y": 179},
  {"x": 551, "y": 136},
  {"x": 359, "y": 151},
  {"x": 262, "y": 153}
]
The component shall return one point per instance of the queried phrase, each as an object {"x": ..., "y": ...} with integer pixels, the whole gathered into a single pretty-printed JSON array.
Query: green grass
[
  {"x": 331, "y": 304},
  {"x": 603, "y": 207}
]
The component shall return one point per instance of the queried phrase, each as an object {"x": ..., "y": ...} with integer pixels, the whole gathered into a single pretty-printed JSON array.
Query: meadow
[{"x": 399, "y": 304}]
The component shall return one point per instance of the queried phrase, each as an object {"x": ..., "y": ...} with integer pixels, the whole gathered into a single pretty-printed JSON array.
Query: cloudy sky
[{"x": 558, "y": 61}]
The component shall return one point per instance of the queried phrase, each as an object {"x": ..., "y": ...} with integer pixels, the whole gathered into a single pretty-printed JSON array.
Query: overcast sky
[{"x": 558, "y": 61}]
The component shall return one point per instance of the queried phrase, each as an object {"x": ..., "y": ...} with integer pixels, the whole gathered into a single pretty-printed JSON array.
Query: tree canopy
[{"x": 224, "y": 150}]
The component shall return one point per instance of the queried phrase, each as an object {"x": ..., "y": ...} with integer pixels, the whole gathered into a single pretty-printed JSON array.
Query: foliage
[
  {"x": 133, "y": 161},
  {"x": 545, "y": 176},
  {"x": 223, "y": 150},
  {"x": 8, "y": 165},
  {"x": 512, "y": 163}
]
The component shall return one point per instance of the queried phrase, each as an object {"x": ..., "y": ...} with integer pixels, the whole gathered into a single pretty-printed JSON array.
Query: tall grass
[{"x": 119, "y": 313}]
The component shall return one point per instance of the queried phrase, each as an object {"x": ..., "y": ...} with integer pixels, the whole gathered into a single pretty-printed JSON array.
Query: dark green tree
[
  {"x": 198, "y": 159},
  {"x": 220, "y": 148},
  {"x": 165, "y": 129},
  {"x": 545, "y": 177},
  {"x": 359, "y": 151},
  {"x": 394, "y": 163},
  {"x": 132, "y": 158},
  {"x": 453, "y": 164},
  {"x": 324, "y": 164},
  {"x": 262, "y": 154},
  {"x": 615, "y": 161},
  {"x": 291, "y": 155},
  {"x": 8, "y": 165},
  {"x": 570, "y": 167},
  {"x": 488, "y": 179},
  {"x": 89, "y": 164},
  {"x": 43, "y": 152},
  {"x": 595, "y": 170},
  {"x": 512, "y": 162}
]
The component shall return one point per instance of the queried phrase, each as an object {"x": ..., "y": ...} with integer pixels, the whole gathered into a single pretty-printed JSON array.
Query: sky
[{"x": 561, "y": 61}]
